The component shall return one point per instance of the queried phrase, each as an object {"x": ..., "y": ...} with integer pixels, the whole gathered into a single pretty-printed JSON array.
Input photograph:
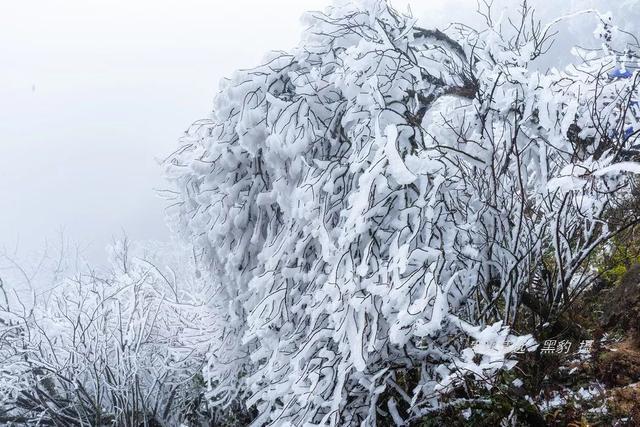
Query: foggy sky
[{"x": 92, "y": 92}]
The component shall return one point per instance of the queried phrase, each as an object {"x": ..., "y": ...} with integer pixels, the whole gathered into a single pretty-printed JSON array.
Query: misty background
[{"x": 93, "y": 94}]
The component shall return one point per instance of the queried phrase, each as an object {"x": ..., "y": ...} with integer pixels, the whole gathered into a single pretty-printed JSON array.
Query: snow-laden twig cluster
[
  {"x": 379, "y": 199},
  {"x": 120, "y": 348}
]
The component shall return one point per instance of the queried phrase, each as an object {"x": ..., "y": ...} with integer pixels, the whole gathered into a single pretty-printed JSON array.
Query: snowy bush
[
  {"x": 379, "y": 199},
  {"x": 124, "y": 347}
]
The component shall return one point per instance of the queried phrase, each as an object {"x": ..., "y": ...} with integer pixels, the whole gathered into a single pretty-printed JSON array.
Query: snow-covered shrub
[
  {"x": 125, "y": 347},
  {"x": 378, "y": 200}
]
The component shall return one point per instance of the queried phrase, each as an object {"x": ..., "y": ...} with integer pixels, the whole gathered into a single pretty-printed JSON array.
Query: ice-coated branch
[{"x": 379, "y": 200}]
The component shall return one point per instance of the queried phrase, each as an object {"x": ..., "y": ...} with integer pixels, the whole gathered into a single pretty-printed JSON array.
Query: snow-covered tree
[
  {"x": 125, "y": 347},
  {"x": 368, "y": 218},
  {"x": 373, "y": 206}
]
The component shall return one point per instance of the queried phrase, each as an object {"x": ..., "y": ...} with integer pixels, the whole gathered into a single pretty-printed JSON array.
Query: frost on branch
[
  {"x": 378, "y": 200},
  {"x": 123, "y": 348}
]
